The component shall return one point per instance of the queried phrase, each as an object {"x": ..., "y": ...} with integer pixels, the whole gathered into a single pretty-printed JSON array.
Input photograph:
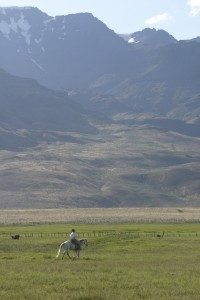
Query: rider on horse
[{"x": 74, "y": 239}]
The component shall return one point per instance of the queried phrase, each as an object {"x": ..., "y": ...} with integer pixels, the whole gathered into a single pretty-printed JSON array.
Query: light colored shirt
[{"x": 73, "y": 235}]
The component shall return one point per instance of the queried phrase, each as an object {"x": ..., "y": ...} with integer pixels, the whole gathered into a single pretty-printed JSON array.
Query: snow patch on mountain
[
  {"x": 5, "y": 29},
  {"x": 21, "y": 26},
  {"x": 37, "y": 41},
  {"x": 13, "y": 25},
  {"x": 132, "y": 40},
  {"x": 46, "y": 22},
  {"x": 25, "y": 27}
]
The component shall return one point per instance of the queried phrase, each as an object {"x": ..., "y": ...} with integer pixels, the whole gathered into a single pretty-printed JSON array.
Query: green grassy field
[{"x": 118, "y": 265}]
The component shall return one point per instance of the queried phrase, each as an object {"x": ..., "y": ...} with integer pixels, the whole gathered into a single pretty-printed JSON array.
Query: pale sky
[{"x": 181, "y": 18}]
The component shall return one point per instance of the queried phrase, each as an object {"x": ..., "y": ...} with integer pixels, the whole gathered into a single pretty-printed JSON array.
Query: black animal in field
[
  {"x": 161, "y": 235},
  {"x": 15, "y": 237}
]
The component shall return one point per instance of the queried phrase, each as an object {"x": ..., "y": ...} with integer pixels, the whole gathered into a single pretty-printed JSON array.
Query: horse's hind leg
[{"x": 68, "y": 255}]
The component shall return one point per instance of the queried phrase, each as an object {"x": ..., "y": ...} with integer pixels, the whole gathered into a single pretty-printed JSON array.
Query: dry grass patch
[{"x": 100, "y": 215}]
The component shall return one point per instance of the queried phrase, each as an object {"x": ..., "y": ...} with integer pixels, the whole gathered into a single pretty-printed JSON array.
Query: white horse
[{"x": 68, "y": 245}]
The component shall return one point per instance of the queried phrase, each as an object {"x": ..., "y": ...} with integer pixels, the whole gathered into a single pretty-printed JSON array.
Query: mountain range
[
  {"x": 71, "y": 87},
  {"x": 152, "y": 73}
]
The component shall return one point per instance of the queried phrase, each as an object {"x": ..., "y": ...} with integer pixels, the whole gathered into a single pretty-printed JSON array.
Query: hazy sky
[{"x": 181, "y": 18}]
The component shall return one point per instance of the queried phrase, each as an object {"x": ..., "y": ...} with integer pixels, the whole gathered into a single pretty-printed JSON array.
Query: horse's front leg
[
  {"x": 63, "y": 254},
  {"x": 78, "y": 253}
]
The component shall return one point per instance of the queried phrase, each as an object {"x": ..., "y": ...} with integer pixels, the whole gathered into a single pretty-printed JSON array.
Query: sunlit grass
[{"x": 111, "y": 267}]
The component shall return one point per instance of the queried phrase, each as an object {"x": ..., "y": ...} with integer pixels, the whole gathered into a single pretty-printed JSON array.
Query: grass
[{"x": 111, "y": 267}]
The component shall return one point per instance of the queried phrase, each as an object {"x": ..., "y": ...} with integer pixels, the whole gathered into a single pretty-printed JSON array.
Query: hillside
[
  {"x": 168, "y": 87},
  {"x": 25, "y": 105},
  {"x": 122, "y": 165}
]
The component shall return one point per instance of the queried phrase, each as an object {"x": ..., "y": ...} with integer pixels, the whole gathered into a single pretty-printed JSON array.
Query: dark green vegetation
[{"x": 112, "y": 267}]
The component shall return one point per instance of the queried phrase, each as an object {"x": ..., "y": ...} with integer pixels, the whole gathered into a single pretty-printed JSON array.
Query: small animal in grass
[
  {"x": 15, "y": 237},
  {"x": 161, "y": 235}
]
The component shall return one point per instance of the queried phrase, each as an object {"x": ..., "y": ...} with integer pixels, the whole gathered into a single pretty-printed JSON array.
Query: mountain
[
  {"x": 62, "y": 52},
  {"x": 151, "y": 38},
  {"x": 197, "y": 39},
  {"x": 125, "y": 36},
  {"x": 152, "y": 73},
  {"x": 167, "y": 84}
]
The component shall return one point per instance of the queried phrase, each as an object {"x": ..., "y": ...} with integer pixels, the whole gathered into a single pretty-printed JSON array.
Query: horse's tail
[{"x": 59, "y": 250}]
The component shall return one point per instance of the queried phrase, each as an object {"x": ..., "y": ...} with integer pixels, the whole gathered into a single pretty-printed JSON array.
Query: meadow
[{"x": 122, "y": 261}]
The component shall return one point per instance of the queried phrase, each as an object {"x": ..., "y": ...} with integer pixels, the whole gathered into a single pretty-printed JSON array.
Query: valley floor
[{"x": 100, "y": 215}]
